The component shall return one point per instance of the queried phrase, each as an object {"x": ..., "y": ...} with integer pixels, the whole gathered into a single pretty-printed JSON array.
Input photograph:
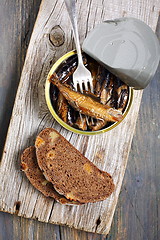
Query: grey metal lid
[{"x": 127, "y": 47}]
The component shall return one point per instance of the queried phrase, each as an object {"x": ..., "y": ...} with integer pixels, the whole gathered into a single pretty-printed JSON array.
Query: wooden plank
[
  {"x": 26, "y": 122},
  {"x": 15, "y": 35}
]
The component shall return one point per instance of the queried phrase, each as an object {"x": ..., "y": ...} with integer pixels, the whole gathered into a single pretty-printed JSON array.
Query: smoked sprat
[{"x": 102, "y": 108}]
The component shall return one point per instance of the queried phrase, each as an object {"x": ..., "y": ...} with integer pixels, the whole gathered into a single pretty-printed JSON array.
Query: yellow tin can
[{"x": 59, "y": 120}]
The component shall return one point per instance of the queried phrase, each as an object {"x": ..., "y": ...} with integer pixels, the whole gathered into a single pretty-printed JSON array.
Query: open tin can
[{"x": 52, "y": 108}]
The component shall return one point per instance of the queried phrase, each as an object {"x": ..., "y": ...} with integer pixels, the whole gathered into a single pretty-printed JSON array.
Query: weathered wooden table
[{"x": 136, "y": 215}]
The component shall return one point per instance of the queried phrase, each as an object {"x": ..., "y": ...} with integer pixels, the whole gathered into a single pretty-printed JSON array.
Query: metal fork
[{"x": 81, "y": 76}]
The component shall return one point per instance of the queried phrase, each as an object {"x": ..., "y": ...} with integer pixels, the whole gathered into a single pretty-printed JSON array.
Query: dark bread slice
[
  {"x": 34, "y": 174},
  {"x": 69, "y": 171}
]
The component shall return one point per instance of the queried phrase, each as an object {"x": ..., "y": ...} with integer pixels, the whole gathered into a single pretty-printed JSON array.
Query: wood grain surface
[{"x": 19, "y": 228}]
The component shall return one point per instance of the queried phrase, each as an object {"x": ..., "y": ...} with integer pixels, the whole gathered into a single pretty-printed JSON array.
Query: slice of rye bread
[
  {"x": 72, "y": 174},
  {"x": 30, "y": 166}
]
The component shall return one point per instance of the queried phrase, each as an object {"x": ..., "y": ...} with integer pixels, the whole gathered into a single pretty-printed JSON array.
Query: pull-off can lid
[{"x": 127, "y": 47}]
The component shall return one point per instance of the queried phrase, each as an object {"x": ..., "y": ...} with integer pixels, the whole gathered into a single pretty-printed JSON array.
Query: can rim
[{"x": 59, "y": 120}]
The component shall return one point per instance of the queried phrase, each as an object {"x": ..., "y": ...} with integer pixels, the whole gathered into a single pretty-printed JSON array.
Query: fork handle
[{"x": 71, "y": 8}]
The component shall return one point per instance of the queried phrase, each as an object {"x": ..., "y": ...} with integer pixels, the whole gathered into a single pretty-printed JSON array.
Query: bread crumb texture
[
  {"x": 72, "y": 174},
  {"x": 39, "y": 142}
]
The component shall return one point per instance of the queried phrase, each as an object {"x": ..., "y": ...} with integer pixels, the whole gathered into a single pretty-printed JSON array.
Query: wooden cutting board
[{"x": 52, "y": 37}]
